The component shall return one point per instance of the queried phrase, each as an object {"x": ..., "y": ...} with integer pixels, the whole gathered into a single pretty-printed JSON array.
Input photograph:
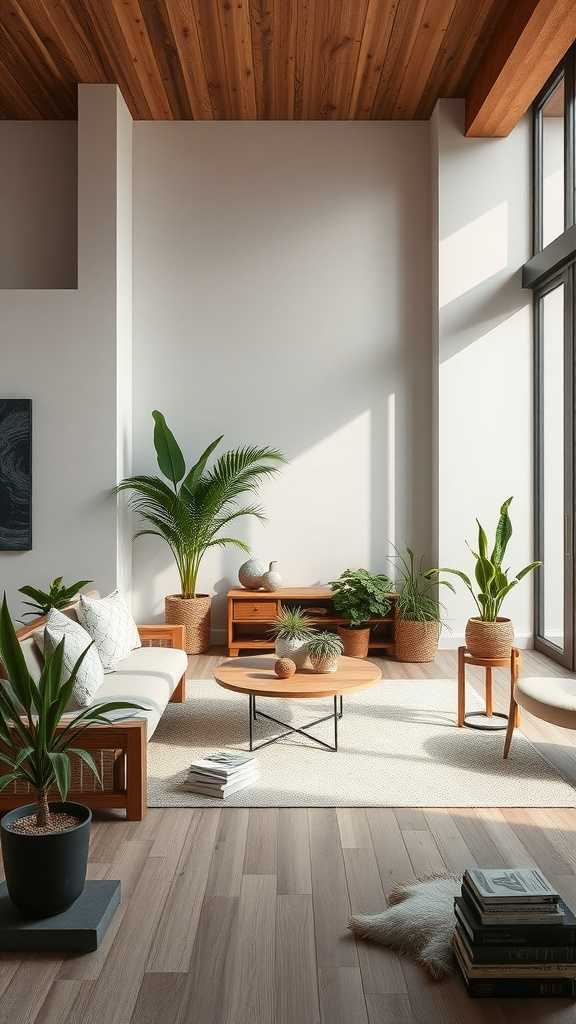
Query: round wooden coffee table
[{"x": 256, "y": 678}]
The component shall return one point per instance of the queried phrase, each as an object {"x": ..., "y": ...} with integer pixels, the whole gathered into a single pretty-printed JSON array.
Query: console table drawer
[{"x": 255, "y": 610}]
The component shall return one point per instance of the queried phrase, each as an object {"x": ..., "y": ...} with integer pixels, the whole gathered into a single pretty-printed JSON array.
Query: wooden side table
[{"x": 465, "y": 658}]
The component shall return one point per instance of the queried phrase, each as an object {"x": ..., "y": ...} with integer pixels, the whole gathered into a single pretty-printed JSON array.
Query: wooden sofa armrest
[
  {"x": 164, "y": 635},
  {"x": 169, "y": 636}
]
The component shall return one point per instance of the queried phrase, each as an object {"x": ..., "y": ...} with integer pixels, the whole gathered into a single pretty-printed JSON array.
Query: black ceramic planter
[{"x": 45, "y": 874}]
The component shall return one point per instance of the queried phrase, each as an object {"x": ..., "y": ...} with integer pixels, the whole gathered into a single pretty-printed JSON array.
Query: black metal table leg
[
  {"x": 250, "y": 717},
  {"x": 336, "y": 716},
  {"x": 336, "y": 713}
]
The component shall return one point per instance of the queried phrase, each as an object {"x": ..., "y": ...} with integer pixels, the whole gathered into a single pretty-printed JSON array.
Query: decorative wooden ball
[{"x": 284, "y": 668}]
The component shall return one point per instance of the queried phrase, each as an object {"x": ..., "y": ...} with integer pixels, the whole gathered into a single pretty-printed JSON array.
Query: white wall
[
  {"x": 60, "y": 349},
  {"x": 38, "y": 204},
  {"x": 484, "y": 356},
  {"x": 282, "y": 296}
]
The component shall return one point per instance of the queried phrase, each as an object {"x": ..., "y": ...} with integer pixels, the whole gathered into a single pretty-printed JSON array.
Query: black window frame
[{"x": 548, "y": 267}]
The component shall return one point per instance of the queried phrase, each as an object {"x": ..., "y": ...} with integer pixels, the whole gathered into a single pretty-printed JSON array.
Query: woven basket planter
[
  {"x": 356, "y": 641},
  {"x": 323, "y": 664},
  {"x": 416, "y": 641},
  {"x": 489, "y": 639},
  {"x": 194, "y": 614}
]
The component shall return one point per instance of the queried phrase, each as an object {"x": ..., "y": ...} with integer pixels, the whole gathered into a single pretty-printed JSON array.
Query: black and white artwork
[{"x": 15, "y": 474}]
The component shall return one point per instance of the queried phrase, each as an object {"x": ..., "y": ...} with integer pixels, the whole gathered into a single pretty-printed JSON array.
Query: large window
[{"x": 551, "y": 273}]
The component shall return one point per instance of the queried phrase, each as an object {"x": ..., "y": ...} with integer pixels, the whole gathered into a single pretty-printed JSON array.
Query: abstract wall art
[{"x": 15, "y": 474}]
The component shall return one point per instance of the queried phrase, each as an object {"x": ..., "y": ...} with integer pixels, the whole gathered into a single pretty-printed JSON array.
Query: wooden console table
[{"x": 251, "y": 613}]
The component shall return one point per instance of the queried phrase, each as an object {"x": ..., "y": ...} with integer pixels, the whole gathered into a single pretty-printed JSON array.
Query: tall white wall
[
  {"x": 483, "y": 380},
  {"x": 282, "y": 296},
  {"x": 60, "y": 348}
]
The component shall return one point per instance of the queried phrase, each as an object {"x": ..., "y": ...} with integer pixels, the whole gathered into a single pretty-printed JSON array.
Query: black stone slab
[{"x": 79, "y": 929}]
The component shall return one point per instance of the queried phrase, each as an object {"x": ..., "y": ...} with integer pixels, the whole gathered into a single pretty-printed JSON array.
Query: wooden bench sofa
[{"x": 120, "y": 749}]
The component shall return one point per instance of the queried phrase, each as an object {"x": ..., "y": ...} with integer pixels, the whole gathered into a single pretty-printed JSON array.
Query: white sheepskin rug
[{"x": 419, "y": 923}]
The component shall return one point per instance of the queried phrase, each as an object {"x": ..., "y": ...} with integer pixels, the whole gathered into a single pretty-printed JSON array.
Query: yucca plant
[
  {"x": 190, "y": 510},
  {"x": 31, "y": 747},
  {"x": 58, "y": 596},
  {"x": 493, "y": 582}
]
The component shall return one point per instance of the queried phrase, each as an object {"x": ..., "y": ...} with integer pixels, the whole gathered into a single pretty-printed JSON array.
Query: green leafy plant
[
  {"x": 31, "y": 746},
  {"x": 325, "y": 645},
  {"x": 359, "y": 595},
  {"x": 291, "y": 623},
  {"x": 417, "y": 601},
  {"x": 190, "y": 511},
  {"x": 58, "y": 595},
  {"x": 493, "y": 582}
]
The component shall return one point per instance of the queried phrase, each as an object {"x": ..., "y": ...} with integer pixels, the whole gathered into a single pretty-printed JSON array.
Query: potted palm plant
[
  {"x": 44, "y": 845},
  {"x": 488, "y": 634},
  {"x": 324, "y": 649},
  {"x": 358, "y": 596},
  {"x": 190, "y": 511},
  {"x": 292, "y": 630},
  {"x": 418, "y": 618},
  {"x": 57, "y": 596}
]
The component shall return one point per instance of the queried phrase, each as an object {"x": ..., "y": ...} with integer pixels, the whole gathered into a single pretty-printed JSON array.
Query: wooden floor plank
[
  {"x": 296, "y": 978},
  {"x": 58, "y": 1004},
  {"x": 423, "y": 852},
  {"x": 261, "y": 842},
  {"x": 23, "y": 998},
  {"x": 390, "y": 1009},
  {"x": 174, "y": 939},
  {"x": 341, "y": 996},
  {"x": 159, "y": 999},
  {"x": 335, "y": 946},
  {"x": 251, "y": 995},
  {"x": 389, "y": 847},
  {"x": 206, "y": 987},
  {"x": 294, "y": 873},
  {"x": 226, "y": 869},
  {"x": 453, "y": 849}
]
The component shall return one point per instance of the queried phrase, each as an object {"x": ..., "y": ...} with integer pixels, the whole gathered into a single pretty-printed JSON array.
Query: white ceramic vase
[
  {"x": 296, "y": 650},
  {"x": 272, "y": 579}
]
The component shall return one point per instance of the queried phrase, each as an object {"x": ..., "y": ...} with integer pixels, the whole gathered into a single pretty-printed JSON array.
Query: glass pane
[
  {"x": 553, "y": 165},
  {"x": 553, "y": 465}
]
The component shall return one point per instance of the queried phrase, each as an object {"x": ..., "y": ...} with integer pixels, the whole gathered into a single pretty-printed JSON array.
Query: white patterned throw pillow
[
  {"x": 111, "y": 626},
  {"x": 90, "y": 674}
]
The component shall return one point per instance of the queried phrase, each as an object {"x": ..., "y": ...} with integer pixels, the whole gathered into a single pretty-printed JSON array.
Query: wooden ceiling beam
[{"x": 530, "y": 39}]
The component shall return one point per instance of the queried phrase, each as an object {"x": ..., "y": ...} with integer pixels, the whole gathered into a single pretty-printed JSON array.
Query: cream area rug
[{"x": 398, "y": 747}]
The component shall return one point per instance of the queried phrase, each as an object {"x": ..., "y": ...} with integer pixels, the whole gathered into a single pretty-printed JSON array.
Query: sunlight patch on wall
[{"x": 472, "y": 254}]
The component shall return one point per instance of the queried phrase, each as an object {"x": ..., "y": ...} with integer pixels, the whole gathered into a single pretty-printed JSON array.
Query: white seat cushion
[
  {"x": 147, "y": 676},
  {"x": 551, "y": 698}
]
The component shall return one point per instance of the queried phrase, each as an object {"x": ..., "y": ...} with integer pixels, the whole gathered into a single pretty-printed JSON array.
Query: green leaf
[
  {"x": 5, "y": 780},
  {"x": 503, "y": 534},
  {"x": 484, "y": 572},
  {"x": 13, "y": 658},
  {"x": 88, "y": 759},
  {"x": 196, "y": 472},
  {"x": 61, "y": 765},
  {"x": 169, "y": 455},
  {"x": 527, "y": 568},
  {"x": 482, "y": 540}
]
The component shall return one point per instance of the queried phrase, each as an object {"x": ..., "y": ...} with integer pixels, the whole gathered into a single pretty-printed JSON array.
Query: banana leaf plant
[
  {"x": 58, "y": 596},
  {"x": 493, "y": 583},
  {"x": 190, "y": 507},
  {"x": 32, "y": 747}
]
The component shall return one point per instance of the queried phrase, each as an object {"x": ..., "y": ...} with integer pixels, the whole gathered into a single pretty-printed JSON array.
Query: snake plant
[{"x": 493, "y": 583}]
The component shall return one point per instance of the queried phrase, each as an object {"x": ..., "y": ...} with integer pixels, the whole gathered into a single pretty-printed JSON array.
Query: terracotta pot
[
  {"x": 355, "y": 641},
  {"x": 194, "y": 613},
  {"x": 489, "y": 639},
  {"x": 416, "y": 641},
  {"x": 323, "y": 663}
]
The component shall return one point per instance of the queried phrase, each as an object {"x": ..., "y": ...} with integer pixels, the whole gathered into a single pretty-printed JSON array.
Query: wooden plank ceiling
[{"x": 243, "y": 59}]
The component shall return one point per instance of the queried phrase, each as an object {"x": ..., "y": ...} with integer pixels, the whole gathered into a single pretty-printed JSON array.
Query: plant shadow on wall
[{"x": 191, "y": 511}]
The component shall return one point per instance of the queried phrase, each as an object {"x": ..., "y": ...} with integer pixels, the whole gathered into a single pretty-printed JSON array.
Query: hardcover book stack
[
  {"x": 221, "y": 774},
  {"x": 514, "y": 936}
]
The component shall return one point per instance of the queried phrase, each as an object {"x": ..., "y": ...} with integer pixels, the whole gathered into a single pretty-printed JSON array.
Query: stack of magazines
[
  {"x": 514, "y": 936},
  {"x": 220, "y": 774}
]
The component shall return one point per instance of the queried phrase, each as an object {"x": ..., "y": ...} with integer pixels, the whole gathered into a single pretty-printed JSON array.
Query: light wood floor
[{"x": 239, "y": 917}]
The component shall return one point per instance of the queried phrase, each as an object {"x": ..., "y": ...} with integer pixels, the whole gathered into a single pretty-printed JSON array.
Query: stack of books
[
  {"x": 514, "y": 936},
  {"x": 220, "y": 774}
]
